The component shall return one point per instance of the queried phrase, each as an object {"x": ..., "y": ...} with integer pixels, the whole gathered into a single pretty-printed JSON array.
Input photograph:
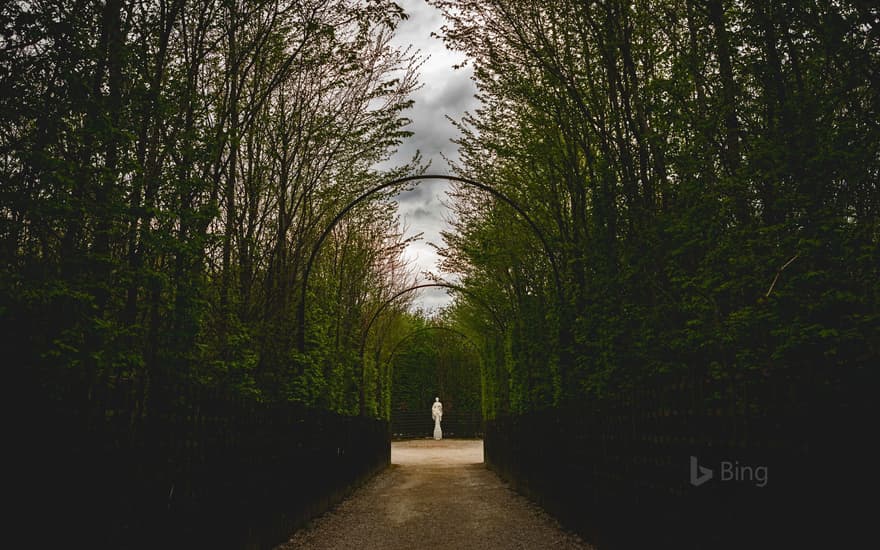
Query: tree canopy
[
  {"x": 707, "y": 173},
  {"x": 704, "y": 175},
  {"x": 166, "y": 167}
]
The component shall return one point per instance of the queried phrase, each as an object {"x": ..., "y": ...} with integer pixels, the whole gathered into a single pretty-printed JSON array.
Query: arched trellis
[
  {"x": 397, "y": 295},
  {"x": 422, "y": 330},
  {"x": 301, "y": 313},
  {"x": 388, "y": 302}
]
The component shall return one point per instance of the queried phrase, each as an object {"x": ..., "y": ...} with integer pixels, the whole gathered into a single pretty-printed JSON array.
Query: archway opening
[
  {"x": 536, "y": 231},
  {"x": 432, "y": 362}
]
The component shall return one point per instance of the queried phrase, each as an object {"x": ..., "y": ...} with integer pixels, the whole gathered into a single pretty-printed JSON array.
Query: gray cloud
[
  {"x": 432, "y": 298},
  {"x": 445, "y": 91},
  {"x": 421, "y": 213},
  {"x": 455, "y": 96}
]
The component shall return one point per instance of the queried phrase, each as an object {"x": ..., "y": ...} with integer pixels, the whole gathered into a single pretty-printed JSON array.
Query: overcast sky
[{"x": 445, "y": 91}]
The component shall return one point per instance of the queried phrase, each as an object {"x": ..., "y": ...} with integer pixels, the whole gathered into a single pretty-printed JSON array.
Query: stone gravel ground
[{"x": 436, "y": 494}]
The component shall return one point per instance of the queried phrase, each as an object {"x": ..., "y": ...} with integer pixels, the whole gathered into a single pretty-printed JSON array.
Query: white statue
[{"x": 436, "y": 415}]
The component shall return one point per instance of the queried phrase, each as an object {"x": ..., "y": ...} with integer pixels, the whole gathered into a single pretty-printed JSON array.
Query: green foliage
[
  {"x": 167, "y": 168},
  {"x": 432, "y": 361},
  {"x": 707, "y": 175}
]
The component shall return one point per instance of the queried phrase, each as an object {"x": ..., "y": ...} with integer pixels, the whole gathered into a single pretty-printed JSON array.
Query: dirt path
[{"x": 436, "y": 494}]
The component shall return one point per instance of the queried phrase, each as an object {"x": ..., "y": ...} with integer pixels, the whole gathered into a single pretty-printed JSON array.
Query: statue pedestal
[{"x": 438, "y": 433}]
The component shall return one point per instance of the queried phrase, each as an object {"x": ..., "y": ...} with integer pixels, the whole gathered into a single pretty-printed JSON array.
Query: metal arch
[
  {"x": 390, "y": 300},
  {"x": 426, "y": 329},
  {"x": 301, "y": 314}
]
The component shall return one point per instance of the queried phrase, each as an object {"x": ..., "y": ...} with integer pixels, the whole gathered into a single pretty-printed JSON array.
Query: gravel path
[{"x": 436, "y": 494}]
